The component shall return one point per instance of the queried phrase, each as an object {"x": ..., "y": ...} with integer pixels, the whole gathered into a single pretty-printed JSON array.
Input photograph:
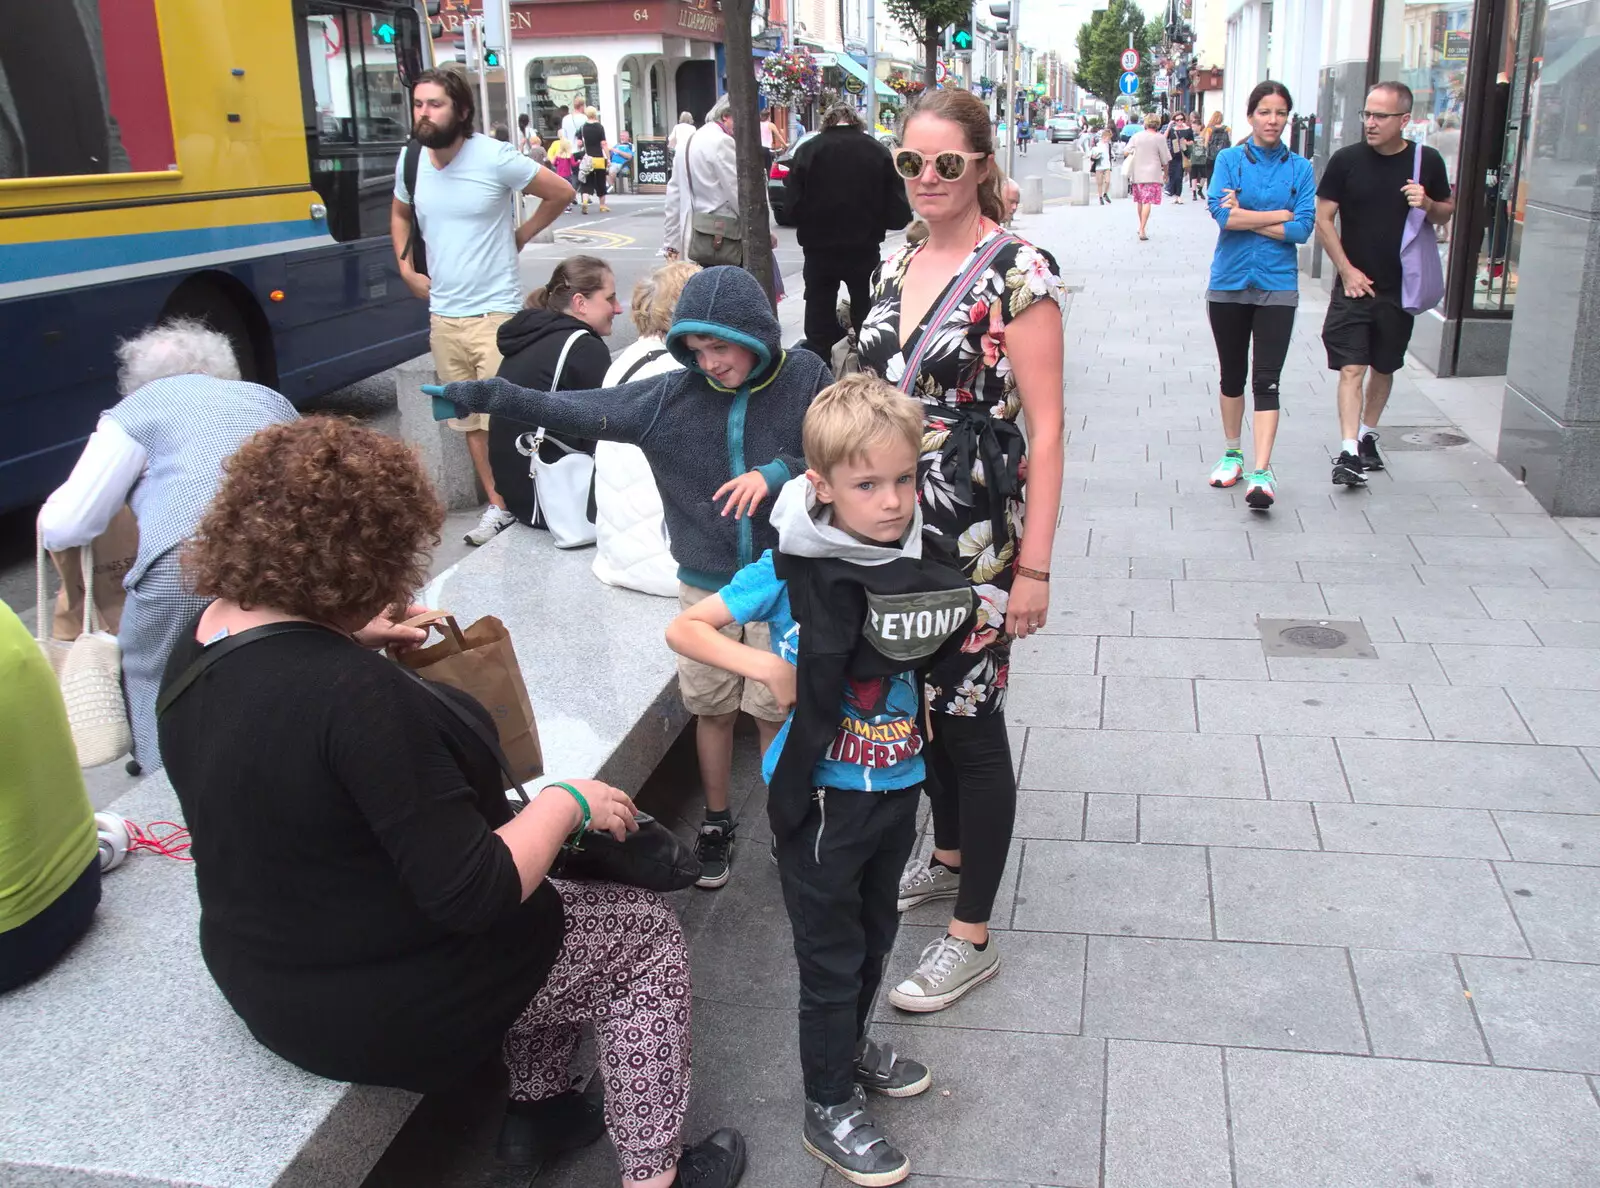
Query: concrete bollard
[
  {"x": 1072, "y": 158},
  {"x": 443, "y": 450},
  {"x": 1032, "y": 195},
  {"x": 1119, "y": 181},
  {"x": 1079, "y": 186}
]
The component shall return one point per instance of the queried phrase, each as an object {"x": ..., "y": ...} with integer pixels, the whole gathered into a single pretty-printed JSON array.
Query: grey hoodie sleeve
[{"x": 624, "y": 413}]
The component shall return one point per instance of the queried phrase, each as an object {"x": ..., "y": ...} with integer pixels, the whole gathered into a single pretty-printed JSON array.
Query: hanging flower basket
[
  {"x": 790, "y": 77},
  {"x": 909, "y": 87}
]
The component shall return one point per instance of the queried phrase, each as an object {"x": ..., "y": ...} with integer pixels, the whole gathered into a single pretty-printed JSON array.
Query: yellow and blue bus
[{"x": 225, "y": 159}]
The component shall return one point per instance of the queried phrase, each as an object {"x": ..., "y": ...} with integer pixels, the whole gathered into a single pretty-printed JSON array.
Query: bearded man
[{"x": 464, "y": 204}]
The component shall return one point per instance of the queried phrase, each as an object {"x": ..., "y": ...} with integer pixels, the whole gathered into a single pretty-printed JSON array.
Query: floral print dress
[{"x": 971, "y": 473}]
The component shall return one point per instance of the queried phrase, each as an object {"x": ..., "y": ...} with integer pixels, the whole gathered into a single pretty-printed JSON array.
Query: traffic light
[
  {"x": 1002, "y": 18},
  {"x": 383, "y": 32},
  {"x": 491, "y": 59},
  {"x": 961, "y": 39},
  {"x": 435, "y": 25}
]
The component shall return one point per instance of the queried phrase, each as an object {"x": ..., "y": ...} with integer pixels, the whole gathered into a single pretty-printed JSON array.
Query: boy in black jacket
[
  {"x": 726, "y": 427},
  {"x": 854, "y": 613}
]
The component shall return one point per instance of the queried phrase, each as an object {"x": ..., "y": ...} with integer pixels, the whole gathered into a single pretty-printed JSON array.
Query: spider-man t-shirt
[{"x": 878, "y": 745}]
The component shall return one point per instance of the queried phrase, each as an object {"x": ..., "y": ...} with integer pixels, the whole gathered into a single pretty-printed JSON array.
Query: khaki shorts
[
  {"x": 466, "y": 349},
  {"x": 707, "y": 690}
]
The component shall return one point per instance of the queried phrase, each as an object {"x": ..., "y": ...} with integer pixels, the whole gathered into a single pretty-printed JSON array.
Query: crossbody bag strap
[
  {"x": 980, "y": 263},
  {"x": 226, "y": 647},
  {"x": 641, "y": 363},
  {"x": 555, "y": 383},
  {"x": 479, "y": 730}
]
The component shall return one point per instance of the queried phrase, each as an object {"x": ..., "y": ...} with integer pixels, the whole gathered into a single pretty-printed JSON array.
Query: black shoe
[
  {"x": 1370, "y": 458},
  {"x": 847, "y": 1139},
  {"x": 716, "y": 1161},
  {"x": 1347, "y": 471},
  {"x": 534, "y": 1131},
  {"x": 880, "y": 1069},
  {"x": 714, "y": 848}
]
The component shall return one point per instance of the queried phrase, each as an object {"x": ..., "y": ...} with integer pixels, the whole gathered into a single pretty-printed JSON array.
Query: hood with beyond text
[{"x": 727, "y": 303}]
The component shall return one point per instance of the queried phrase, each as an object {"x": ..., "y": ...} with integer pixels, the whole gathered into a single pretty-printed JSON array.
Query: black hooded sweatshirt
[{"x": 530, "y": 344}]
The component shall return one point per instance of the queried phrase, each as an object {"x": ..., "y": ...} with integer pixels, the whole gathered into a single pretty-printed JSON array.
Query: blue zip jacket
[{"x": 1263, "y": 179}]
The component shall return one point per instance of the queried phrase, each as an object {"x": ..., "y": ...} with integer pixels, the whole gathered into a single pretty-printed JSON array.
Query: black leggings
[
  {"x": 1233, "y": 326},
  {"x": 973, "y": 789}
]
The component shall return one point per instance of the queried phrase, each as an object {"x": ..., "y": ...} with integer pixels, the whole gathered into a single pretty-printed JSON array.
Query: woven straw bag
[{"x": 90, "y": 671}]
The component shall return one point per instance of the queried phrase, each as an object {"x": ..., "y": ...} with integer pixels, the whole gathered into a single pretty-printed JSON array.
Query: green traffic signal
[
  {"x": 383, "y": 33},
  {"x": 491, "y": 58},
  {"x": 963, "y": 39}
]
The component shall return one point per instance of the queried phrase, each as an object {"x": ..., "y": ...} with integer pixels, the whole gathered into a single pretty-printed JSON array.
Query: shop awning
[
  {"x": 850, "y": 66},
  {"x": 1569, "y": 61}
]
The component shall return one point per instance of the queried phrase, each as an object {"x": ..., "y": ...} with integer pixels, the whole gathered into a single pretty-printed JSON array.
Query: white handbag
[
  {"x": 561, "y": 488},
  {"x": 90, "y": 672}
]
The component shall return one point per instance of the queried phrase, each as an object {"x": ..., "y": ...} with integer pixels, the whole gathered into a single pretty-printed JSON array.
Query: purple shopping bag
[{"x": 1422, "y": 275}]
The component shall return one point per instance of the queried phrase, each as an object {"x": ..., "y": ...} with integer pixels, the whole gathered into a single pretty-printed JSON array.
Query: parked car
[
  {"x": 775, "y": 176},
  {"x": 1064, "y": 127}
]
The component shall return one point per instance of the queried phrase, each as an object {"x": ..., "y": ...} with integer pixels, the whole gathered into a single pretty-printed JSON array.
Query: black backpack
[{"x": 416, "y": 251}]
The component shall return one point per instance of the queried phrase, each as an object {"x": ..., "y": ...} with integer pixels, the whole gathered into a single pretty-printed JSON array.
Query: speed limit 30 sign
[{"x": 1130, "y": 59}]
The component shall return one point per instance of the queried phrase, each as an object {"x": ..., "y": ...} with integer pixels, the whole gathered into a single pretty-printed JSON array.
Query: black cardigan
[{"x": 356, "y": 908}]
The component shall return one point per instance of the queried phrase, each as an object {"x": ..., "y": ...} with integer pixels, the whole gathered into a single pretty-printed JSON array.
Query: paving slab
[
  {"x": 1084, "y": 595},
  {"x": 1557, "y": 606},
  {"x": 1166, "y": 1117},
  {"x": 1012, "y": 1002},
  {"x": 1187, "y": 658},
  {"x": 1210, "y": 625},
  {"x": 1111, "y": 817},
  {"x": 1058, "y": 655},
  {"x": 1471, "y": 714},
  {"x": 1049, "y": 1089},
  {"x": 1567, "y": 838},
  {"x": 1208, "y": 821},
  {"x": 1132, "y": 542},
  {"x": 1350, "y": 546},
  {"x": 1459, "y": 523},
  {"x": 1314, "y": 1121},
  {"x": 1303, "y": 768},
  {"x": 1469, "y": 775},
  {"x": 1076, "y": 621},
  {"x": 1424, "y": 629},
  {"x": 1192, "y": 991},
  {"x": 1479, "y": 575},
  {"x": 1233, "y": 569},
  {"x": 1354, "y": 600},
  {"x": 1143, "y": 762},
  {"x": 1404, "y": 829},
  {"x": 1415, "y": 1006},
  {"x": 1148, "y": 703},
  {"x": 1362, "y": 573},
  {"x": 1478, "y": 550},
  {"x": 1556, "y": 907},
  {"x": 1563, "y": 717},
  {"x": 1057, "y": 815},
  {"x": 1538, "y": 1014},
  {"x": 1309, "y": 707},
  {"x": 1568, "y": 577},
  {"x": 742, "y": 949},
  {"x": 1374, "y": 901},
  {"x": 1395, "y": 664},
  {"x": 1542, "y": 668},
  {"x": 1266, "y": 599},
  {"x": 1035, "y": 699},
  {"x": 1114, "y": 888}
]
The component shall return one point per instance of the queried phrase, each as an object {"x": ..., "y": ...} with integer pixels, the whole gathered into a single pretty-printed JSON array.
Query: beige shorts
[
  {"x": 466, "y": 349},
  {"x": 707, "y": 690}
]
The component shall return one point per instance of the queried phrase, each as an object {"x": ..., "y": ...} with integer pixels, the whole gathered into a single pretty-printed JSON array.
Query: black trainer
[
  {"x": 1368, "y": 447},
  {"x": 714, "y": 848},
  {"x": 1348, "y": 471},
  {"x": 880, "y": 1068},
  {"x": 716, "y": 1161},
  {"x": 847, "y": 1139},
  {"x": 534, "y": 1131}
]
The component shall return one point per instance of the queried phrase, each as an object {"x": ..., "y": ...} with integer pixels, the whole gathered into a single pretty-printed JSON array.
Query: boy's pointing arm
[{"x": 623, "y": 413}]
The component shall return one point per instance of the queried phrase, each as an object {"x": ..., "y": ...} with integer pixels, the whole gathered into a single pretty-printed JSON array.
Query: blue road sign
[{"x": 1128, "y": 84}]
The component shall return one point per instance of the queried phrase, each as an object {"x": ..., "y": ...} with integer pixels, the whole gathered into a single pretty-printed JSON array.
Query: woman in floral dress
[{"x": 995, "y": 352}]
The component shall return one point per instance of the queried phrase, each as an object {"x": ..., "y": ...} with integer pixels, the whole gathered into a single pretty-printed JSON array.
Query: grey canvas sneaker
[
  {"x": 883, "y": 1070},
  {"x": 948, "y": 968},
  {"x": 847, "y": 1139},
  {"x": 922, "y": 882}
]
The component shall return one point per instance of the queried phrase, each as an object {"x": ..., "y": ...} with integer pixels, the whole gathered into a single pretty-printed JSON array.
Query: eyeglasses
[
  {"x": 949, "y": 165},
  {"x": 1382, "y": 115}
]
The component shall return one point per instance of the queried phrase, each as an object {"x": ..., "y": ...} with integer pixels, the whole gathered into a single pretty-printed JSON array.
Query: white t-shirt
[
  {"x": 572, "y": 127},
  {"x": 679, "y": 133},
  {"x": 465, "y": 211}
]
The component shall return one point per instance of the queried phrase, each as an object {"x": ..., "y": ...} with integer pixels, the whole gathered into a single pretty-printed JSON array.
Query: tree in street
[
  {"x": 1101, "y": 40},
  {"x": 736, "y": 16},
  {"x": 923, "y": 19}
]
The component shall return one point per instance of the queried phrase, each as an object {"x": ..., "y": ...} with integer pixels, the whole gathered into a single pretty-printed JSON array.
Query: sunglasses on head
[{"x": 949, "y": 165}]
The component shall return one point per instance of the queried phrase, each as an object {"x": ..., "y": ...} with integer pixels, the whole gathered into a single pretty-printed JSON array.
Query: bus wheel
[{"x": 211, "y": 301}]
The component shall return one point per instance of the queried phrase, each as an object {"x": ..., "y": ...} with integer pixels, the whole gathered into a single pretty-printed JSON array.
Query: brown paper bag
[
  {"x": 482, "y": 662},
  {"x": 114, "y": 553}
]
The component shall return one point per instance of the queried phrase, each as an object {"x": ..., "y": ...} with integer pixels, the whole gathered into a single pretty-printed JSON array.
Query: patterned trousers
[{"x": 623, "y": 967}]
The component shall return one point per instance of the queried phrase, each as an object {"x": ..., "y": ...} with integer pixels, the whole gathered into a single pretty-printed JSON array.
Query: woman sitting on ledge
[{"x": 368, "y": 904}]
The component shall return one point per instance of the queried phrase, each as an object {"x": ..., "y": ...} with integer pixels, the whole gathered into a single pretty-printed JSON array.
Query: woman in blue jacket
[{"x": 1264, "y": 198}]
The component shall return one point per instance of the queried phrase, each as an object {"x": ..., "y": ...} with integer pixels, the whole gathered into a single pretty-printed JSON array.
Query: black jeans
[
  {"x": 973, "y": 789},
  {"x": 33, "y": 947},
  {"x": 841, "y": 881},
  {"x": 1234, "y": 326},
  {"x": 824, "y": 272}
]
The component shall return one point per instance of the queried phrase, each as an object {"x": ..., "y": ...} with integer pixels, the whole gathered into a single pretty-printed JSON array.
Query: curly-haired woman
[{"x": 368, "y": 904}]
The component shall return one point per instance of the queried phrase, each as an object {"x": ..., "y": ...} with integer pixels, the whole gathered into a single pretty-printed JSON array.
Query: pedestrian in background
[
  {"x": 1102, "y": 155},
  {"x": 705, "y": 180},
  {"x": 593, "y": 149},
  {"x": 1146, "y": 166},
  {"x": 621, "y": 158},
  {"x": 1179, "y": 137},
  {"x": 843, "y": 196},
  {"x": 681, "y": 131},
  {"x": 1371, "y": 188},
  {"x": 160, "y": 449},
  {"x": 463, "y": 207},
  {"x": 1264, "y": 201},
  {"x": 994, "y": 357},
  {"x": 527, "y": 138},
  {"x": 773, "y": 138}
]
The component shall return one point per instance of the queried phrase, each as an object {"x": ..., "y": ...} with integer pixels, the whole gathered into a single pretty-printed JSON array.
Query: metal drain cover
[
  {"x": 1326, "y": 638},
  {"x": 1422, "y": 439}
]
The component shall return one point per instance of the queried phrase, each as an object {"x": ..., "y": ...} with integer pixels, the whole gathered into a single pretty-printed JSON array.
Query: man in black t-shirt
[{"x": 1372, "y": 187}]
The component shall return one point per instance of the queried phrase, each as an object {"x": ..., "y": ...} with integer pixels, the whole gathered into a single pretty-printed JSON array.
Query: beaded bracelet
[{"x": 582, "y": 804}]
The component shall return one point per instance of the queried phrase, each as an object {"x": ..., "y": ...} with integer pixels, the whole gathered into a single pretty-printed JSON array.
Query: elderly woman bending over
[
  {"x": 406, "y": 934},
  {"x": 160, "y": 449}
]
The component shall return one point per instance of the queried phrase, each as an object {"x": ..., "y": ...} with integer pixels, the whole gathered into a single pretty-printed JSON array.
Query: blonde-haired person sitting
[{"x": 632, "y": 546}]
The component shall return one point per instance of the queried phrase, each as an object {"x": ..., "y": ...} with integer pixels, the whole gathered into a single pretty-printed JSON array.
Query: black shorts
[{"x": 1366, "y": 331}]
